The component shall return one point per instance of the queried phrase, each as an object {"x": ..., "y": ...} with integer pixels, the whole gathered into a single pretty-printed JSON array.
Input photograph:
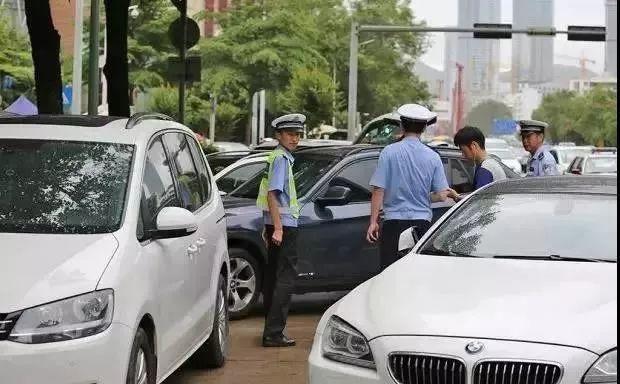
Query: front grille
[
  {"x": 508, "y": 372},
  {"x": 426, "y": 369},
  {"x": 6, "y": 325}
]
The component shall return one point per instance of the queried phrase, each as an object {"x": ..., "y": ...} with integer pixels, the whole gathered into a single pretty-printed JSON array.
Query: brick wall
[{"x": 63, "y": 16}]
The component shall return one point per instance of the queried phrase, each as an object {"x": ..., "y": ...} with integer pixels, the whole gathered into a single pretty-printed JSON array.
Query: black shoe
[{"x": 278, "y": 341}]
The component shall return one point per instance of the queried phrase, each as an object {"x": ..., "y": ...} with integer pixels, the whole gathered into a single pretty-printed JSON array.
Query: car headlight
[
  {"x": 605, "y": 370},
  {"x": 343, "y": 343},
  {"x": 67, "y": 319}
]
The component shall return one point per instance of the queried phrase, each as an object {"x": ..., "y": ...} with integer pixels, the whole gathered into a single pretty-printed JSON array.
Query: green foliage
[
  {"x": 148, "y": 43},
  {"x": 483, "y": 114},
  {"x": 15, "y": 61},
  {"x": 312, "y": 93},
  {"x": 273, "y": 45},
  {"x": 584, "y": 119}
]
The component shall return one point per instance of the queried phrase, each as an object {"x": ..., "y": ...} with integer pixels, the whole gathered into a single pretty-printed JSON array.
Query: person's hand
[
  {"x": 276, "y": 238},
  {"x": 454, "y": 195},
  {"x": 372, "y": 235}
]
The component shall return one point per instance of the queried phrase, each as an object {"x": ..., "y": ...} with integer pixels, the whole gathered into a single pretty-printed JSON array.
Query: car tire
[
  {"x": 142, "y": 362},
  {"x": 213, "y": 353},
  {"x": 245, "y": 282}
]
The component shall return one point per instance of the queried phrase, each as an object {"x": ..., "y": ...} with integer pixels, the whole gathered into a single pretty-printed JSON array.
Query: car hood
[
  {"x": 557, "y": 302},
  {"x": 38, "y": 268}
]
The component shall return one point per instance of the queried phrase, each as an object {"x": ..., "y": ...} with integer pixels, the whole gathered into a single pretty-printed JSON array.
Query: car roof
[
  {"x": 597, "y": 185},
  {"x": 112, "y": 129},
  {"x": 343, "y": 151}
]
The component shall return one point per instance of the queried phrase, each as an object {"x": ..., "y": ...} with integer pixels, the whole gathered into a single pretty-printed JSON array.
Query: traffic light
[
  {"x": 493, "y": 32},
  {"x": 576, "y": 33}
]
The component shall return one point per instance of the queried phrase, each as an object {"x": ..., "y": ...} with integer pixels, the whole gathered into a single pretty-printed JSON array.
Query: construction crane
[{"x": 582, "y": 63}]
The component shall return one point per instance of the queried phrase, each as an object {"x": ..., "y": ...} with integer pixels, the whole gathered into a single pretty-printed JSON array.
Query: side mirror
[
  {"x": 174, "y": 222},
  {"x": 222, "y": 193},
  {"x": 407, "y": 240},
  {"x": 575, "y": 172},
  {"x": 335, "y": 195}
]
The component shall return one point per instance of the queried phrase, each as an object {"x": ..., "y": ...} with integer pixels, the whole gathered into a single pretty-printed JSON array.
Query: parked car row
[{"x": 334, "y": 194}]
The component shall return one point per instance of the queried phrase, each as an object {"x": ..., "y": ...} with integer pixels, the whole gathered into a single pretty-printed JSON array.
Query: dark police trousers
[
  {"x": 390, "y": 233},
  {"x": 279, "y": 280}
]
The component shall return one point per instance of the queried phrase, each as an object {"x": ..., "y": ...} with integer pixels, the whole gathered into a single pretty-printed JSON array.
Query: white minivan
[{"x": 113, "y": 250}]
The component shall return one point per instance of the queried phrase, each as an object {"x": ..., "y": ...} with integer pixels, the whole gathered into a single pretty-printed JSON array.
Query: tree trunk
[
  {"x": 45, "y": 42},
  {"x": 116, "y": 69}
]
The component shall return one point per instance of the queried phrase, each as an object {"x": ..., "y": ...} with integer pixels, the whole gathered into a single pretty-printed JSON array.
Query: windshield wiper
[
  {"x": 555, "y": 258},
  {"x": 444, "y": 252}
]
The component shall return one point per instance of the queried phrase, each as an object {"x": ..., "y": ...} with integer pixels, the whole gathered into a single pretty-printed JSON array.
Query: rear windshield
[
  {"x": 62, "y": 186},
  {"x": 602, "y": 165}
]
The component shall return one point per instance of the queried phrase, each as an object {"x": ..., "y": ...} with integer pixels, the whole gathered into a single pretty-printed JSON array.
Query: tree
[
  {"x": 584, "y": 119},
  {"x": 116, "y": 68},
  {"x": 45, "y": 42},
  {"x": 483, "y": 114},
  {"x": 15, "y": 61},
  {"x": 311, "y": 92},
  {"x": 255, "y": 52}
]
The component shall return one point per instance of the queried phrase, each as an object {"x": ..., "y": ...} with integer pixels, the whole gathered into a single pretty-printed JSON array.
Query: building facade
[
  {"x": 611, "y": 45},
  {"x": 480, "y": 57},
  {"x": 532, "y": 57}
]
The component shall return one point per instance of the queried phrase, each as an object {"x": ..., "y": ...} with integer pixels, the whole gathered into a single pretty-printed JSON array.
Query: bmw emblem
[{"x": 474, "y": 347}]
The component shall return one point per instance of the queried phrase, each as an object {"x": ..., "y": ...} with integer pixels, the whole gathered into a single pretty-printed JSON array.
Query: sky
[{"x": 444, "y": 13}]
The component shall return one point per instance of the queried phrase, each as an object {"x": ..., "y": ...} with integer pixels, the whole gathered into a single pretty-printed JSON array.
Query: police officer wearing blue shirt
[
  {"x": 409, "y": 175},
  {"x": 541, "y": 162},
  {"x": 277, "y": 198}
]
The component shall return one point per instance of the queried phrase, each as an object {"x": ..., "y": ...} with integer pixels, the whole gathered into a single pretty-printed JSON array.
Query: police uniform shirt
[
  {"x": 409, "y": 171},
  {"x": 542, "y": 163},
  {"x": 487, "y": 172},
  {"x": 279, "y": 182}
]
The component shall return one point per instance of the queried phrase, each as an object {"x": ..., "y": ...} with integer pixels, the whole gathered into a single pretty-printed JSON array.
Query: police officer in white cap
[
  {"x": 541, "y": 162},
  {"x": 277, "y": 198},
  {"x": 409, "y": 175}
]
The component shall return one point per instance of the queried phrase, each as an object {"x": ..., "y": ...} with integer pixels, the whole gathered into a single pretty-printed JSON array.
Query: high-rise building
[
  {"x": 611, "y": 45},
  {"x": 532, "y": 57},
  {"x": 14, "y": 10},
  {"x": 449, "y": 63},
  {"x": 480, "y": 57}
]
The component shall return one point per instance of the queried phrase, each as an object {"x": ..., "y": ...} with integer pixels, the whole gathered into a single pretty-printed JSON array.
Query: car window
[
  {"x": 460, "y": 179},
  {"x": 158, "y": 189},
  {"x": 307, "y": 171},
  {"x": 381, "y": 132},
  {"x": 601, "y": 165},
  {"x": 240, "y": 175},
  {"x": 356, "y": 176},
  {"x": 199, "y": 160},
  {"x": 188, "y": 182}
]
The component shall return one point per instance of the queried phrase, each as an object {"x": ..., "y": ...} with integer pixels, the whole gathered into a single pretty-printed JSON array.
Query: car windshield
[
  {"x": 602, "y": 165},
  {"x": 381, "y": 132},
  {"x": 62, "y": 187},
  {"x": 307, "y": 170},
  {"x": 567, "y": 155},
  {"x": 530, "y": 225}
]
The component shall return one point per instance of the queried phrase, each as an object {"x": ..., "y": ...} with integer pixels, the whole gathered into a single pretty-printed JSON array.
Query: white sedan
[{"x": 515, "y": 284}]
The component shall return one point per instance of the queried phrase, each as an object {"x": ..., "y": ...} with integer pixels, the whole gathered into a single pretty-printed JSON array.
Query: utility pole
[
  {"x": 93, "y": 62},
  {"x": 480, "y": 31},
  {"x": 76, "y": 99},
  {"x": 183, "y": 52}
]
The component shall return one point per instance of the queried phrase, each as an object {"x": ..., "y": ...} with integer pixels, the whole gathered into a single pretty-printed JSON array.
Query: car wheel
[
  {"x": 212, "y": 354},
  {"x": 142, "y": 362},
  {"x": 245, "y": 282}
]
